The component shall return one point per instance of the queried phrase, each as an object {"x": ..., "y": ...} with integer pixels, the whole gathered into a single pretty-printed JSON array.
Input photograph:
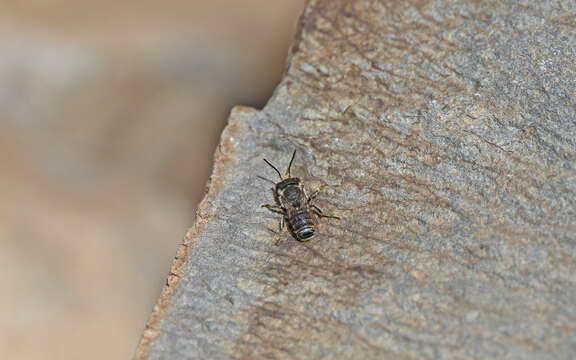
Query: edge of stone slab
[
  {"x": 300, "y": 26},
  {"x": 225, "y": 150}
]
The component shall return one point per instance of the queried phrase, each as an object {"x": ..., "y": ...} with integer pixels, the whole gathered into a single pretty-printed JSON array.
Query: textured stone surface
[{"x": 444, "y": 135}]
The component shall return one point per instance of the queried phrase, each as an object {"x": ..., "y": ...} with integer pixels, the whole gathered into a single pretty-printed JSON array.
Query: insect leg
[
  {"x": 280, "y": 228},
  {"x": 274, "y": 208},
  {"x": 319, "y": 212},
  {"x": 313, "y": 195},
  {"x": 279, "y": 210}
]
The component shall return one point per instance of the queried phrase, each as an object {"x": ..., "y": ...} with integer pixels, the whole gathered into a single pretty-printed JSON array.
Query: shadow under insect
[{"x": 295, "y": 206}]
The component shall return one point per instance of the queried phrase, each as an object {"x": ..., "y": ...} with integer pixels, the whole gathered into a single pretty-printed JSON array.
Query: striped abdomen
[{"x": 301, "y": 224}]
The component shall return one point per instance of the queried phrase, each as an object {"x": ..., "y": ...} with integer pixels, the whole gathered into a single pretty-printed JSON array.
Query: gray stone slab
[{"x": 444, "y": 135}]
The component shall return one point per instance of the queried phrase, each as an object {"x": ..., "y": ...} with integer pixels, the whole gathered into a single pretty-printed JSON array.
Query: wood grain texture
[{"x": 443, "y": 133}]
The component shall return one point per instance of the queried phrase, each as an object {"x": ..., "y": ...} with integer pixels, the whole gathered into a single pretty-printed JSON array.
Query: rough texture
[{"x": 444, "y": 135}]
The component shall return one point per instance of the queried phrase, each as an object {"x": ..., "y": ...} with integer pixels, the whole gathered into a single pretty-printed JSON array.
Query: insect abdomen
[{"x": 301, "y": 224}]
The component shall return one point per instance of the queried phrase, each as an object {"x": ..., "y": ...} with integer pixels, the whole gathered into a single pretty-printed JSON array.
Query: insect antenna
[
  {"x": 263, "y": 178},
  {"x": 290, "y": 165},
  {"x": 273, "y": 167}
]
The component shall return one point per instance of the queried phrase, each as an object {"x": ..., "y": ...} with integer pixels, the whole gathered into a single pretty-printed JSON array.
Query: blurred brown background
[{"x": 109, "y": 115}]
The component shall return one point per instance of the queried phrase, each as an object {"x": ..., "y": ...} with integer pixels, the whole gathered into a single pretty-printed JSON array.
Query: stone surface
[{"x": 443, "y": 133}]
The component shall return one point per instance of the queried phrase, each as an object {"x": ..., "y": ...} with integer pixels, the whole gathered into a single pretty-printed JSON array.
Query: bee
[{"x": 294, "y": 205}]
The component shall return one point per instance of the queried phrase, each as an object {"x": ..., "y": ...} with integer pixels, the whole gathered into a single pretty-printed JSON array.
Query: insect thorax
[{"x": 291, "y": 192}]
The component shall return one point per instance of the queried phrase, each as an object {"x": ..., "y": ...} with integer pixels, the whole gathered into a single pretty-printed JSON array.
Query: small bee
[{"x": 294, "y": 205}]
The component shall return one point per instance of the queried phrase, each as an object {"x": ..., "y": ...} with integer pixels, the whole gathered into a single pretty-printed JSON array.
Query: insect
[{"x": 294, "y": 205}]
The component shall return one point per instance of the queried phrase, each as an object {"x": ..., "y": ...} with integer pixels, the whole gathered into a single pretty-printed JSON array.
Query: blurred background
[{"x": 110, "y": 112}]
